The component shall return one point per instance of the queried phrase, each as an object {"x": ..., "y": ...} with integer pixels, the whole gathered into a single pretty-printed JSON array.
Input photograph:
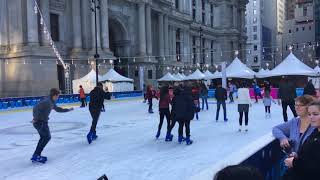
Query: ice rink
[{"x": 126, "y": 148}]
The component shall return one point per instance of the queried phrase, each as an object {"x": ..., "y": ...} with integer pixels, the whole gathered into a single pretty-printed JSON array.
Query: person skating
[
  {"x": 41, "y": 113},
  {"x": 267, "y": 99},
  {"x": 196, "y": 98},
  {"x": 150, "y": 95},
  {"x": 257, "y": 91},
  {"x": 183, "y": 110},
  {"x": 244, "y": 102},
  {"x": 287, "y": 94},
  {"x": 231, "y": 92},
  {"x": 204, "y": 95},
  {"x": 82, "y": 96},
  {"x": 221, "y": 97},
  {"x": 97, "y": 96},
  {"x": 164, "y": 110}
]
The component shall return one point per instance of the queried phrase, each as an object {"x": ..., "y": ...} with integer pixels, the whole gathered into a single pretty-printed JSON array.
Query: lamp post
[
  {"x": 95, "y": 4},
  {"x": 201, "y": 55}
]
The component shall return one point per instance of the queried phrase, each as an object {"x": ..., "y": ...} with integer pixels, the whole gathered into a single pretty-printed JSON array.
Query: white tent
[
  {"x": 196, "y": 75},
  {"x": 263, "y": 73},
  {"x": 179, "y": 76},
  {"x": 116, "y": 82},
  {"x": 88, "y": 82},
  {"x": 317, "y": 69},
  {"x": 168, "y": 77},
  {"x": 239, "y": 70},
  {"x": 208, "y": 75},
  {"x": 217, "y": 75},
  {"x": 184, "y": 76},
  {"x": 292, "y": 66}
]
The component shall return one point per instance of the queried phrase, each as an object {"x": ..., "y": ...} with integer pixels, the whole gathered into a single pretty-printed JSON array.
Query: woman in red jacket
[
  {"x": 150, "y": 94},
  {"x": 164, "y": 109},
  {"x": 82, "y": 96}
]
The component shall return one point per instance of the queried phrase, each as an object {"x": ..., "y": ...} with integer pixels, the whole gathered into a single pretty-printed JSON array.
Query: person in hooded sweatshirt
[
  {"x": 97, "y": 96},
  {"x": 183, "y": 109},
  {"x": 41, "y": 113},
  {"x": 164, "y": 109}
]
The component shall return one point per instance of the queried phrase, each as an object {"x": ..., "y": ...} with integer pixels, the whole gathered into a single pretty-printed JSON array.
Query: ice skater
[
  {"x": 244, "y": 102},
  {"x": 41, "y": 113},
  {"x": 267, "y": 99},
  {"x": 164, "y": 110},
  {"x": 221, "y": 97},
  {"x": 196, "y": 98},
  {"x": 97, "y": 96},
  {"x": 150, "y": 95},
  {"x": 82, "y": 97}
]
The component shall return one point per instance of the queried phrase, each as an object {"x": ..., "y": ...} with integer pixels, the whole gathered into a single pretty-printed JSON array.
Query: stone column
[
  {"x": 104, "y": 24},
  {"x": 161, "y": 36},
  {"x": 217, "y": 16},
  {"x": 148, "y": 29},
  {"x": 142, "y": 29},
  {"x": 242, "y": 20},
  {"x": 45, "y": 9},
  {"x": 4, "y": 23},
  {"x": 32, "y": 24},
  {"x": 76, "y": 22},
  {"x": 98, "y": 28},
  {"x": 166, "y": 35},
  {"x": 235, "y": 10},
  {"x": 174, "y": 44}
]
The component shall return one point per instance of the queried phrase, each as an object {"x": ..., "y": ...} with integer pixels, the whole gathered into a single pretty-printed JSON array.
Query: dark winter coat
[
  {"x": 309, "y": 89},
  {"x": 164, "y": 102},
  {"x": 221, "y": 94},
  {"x": 287, "y": 92},
  {"x": 149, "y": 94},
  {"x": 42, "y": 110},
  {"x": 195, "y": 94},
  {"x": 204, "y": 91},
  {"x": 182, "y": 105},
  {"x": 97, "y": 96},
  {"x": 306, "y": 165}
]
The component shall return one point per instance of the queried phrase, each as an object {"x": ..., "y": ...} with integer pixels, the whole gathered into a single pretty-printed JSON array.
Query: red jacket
[
  {"x": 82, "y": 94},
  {"x": 164, "y": 102}
]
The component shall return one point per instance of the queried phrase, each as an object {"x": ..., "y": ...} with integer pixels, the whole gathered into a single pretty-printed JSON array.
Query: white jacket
[{"x": 243, "y": 96}]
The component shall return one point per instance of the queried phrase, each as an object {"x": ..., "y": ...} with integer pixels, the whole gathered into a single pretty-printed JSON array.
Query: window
[
  {"x": 149, "y": 74},
  {"x": 305, "y": 11},
  {"x": 255, "y": 20},
  {"x": 193, "y": 41},
  {"x": 194, "y": 57},
  {"x": 211, "y": 17},
  {"x": 177, "y": 4},
  {"x": 194, "y": 9},
  {"x": 254, "y": 2},
  {"x": 255, "y": 28},
  {"x": 310, "y": 28},
  {"x": 212, "y": 43},
  {"x": 254, "y": 11},
  {"x": 178, "y": 44},
  {"x": 203, "y": 5},
  {"x": 255, "y": 60},
  {"x": 297, "y": 29},
  {"x": 54, "y": 27},
  {"x": 289, "y": 30},
  {"x": 255, "y": 47},
  {"x": 303, "y": 28},
  {"x": 255, "y": 37},
  {"x": 203, "y": 18},
  {"x": 136, "y": 73}
]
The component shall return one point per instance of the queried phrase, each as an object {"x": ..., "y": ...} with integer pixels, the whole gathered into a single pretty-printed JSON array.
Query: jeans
[
  {"x": 204, "y": 100},
  {"x": 246, "y": 114},
  {"x": 231, "y": 96},
  {"x": 45, "y": 136},
  {"x": 197, "y": 104},
  {"x": 256, "y": 96},
  {"x": 285, "y": 104},
  {"x": 223, "y": 103},
  {"x": 95, "y": 117},
  {"x": 185, "y": 123},
  {"x": 267, "y": 109},
  {"x": 150, "y": 104},
  {"x": 164, "y": 112},
  {"x": 83, "y": 102}
]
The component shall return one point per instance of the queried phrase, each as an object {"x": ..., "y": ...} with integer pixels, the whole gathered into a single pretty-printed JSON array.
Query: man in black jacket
[
  {"x": 221, "y": 96},
  {"x": 97, "y": 96},
  {"x": 287, "y": 94},
  {"x": 41, "y": 114}
]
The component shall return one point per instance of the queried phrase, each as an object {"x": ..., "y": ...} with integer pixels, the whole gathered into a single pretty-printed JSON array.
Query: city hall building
[{"x": 143, "y": 38}]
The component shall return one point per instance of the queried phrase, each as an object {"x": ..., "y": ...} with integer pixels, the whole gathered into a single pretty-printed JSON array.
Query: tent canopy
[
  {"x": 317, "y": 69},
  {"x": 296, "y": 67},
  {"x": 179, "y": 76},
  {"x": 217, "y": 75},
  {"x": 208, "y": 75},
  {"x": 239, "y": 70},
  {"x": 169, "y": 77},
  {"x": 113, "y": 76},
  {"x": 196, "y": 75},
  {"x": 88, "y": 82}
]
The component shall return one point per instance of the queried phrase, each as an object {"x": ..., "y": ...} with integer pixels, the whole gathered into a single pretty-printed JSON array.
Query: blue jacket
[{"x": 291, "y": 130}]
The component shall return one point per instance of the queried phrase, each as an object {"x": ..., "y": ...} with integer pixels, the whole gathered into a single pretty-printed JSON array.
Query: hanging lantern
[
  {"x": 35, "y": 9},
  {"x": 41, "y": 21}
]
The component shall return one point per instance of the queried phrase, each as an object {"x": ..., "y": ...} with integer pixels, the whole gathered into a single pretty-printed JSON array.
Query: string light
[{"x": 40, "y": 62}]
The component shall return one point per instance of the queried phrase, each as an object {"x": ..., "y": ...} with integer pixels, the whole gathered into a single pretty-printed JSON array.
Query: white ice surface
[{"x": 126, "y": 147}]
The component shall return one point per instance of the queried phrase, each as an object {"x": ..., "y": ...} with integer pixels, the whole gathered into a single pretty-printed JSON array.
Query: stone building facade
[{"x": 149, "y": 36}]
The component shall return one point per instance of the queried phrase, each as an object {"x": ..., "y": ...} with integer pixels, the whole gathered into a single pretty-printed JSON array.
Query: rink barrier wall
[
  {"x": 20, "y": 102},
  {"x": 264, "y": 154}
]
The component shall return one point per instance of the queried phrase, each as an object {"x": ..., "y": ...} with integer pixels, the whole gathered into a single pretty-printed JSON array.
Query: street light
[{"x": 95, "y": 4}]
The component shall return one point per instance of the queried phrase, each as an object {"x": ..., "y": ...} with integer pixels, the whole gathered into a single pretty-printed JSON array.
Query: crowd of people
[{"x": 299, "y": 137}]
